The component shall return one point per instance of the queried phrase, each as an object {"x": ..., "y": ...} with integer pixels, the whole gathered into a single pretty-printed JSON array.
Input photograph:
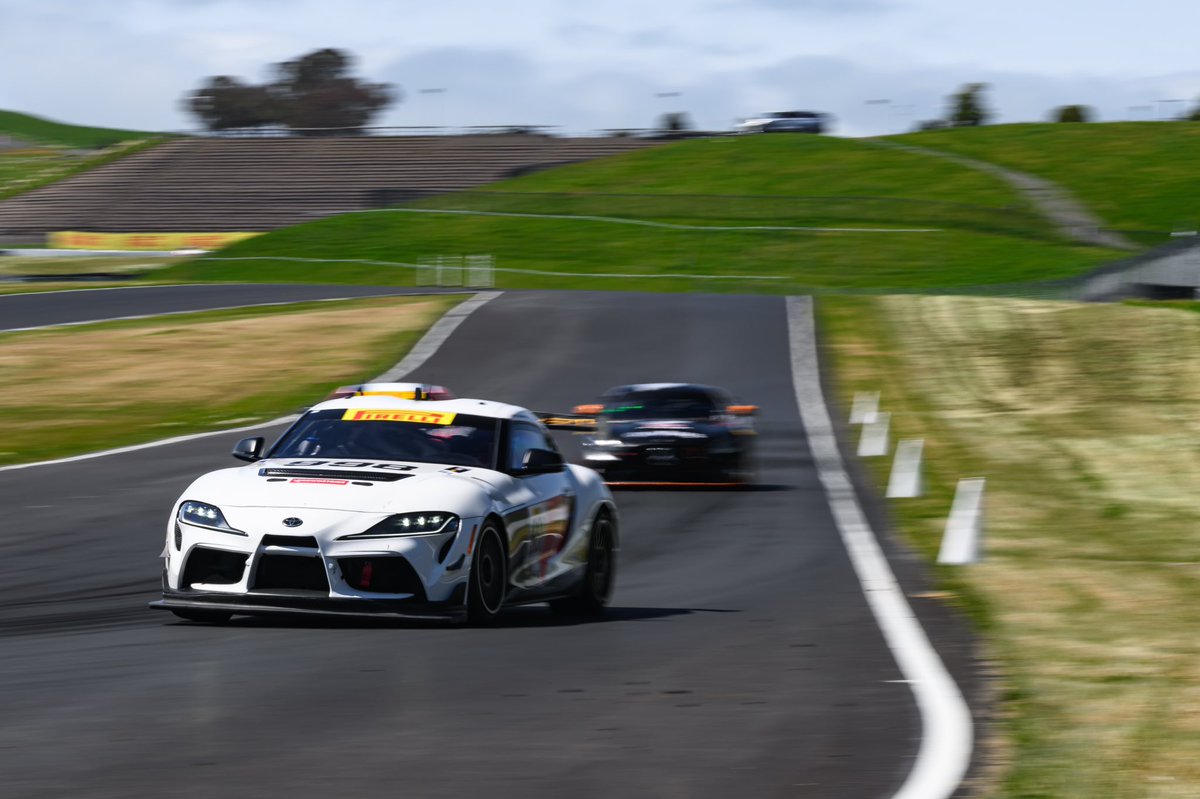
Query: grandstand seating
[{"x": 253, "y": 184}]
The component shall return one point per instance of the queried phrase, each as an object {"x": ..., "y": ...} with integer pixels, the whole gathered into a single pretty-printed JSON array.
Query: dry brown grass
[
  {"x": 93, "y": 386},
  {"x": 1085, "y": 419},
  {"x": 11, "y": 265}
]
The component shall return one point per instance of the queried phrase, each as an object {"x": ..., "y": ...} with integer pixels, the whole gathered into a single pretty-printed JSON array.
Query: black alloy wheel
[{"x": 489, "y": 577}]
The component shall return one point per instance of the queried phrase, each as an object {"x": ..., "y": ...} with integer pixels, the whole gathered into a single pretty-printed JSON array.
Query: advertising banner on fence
[{"x": 76, "y": 240}]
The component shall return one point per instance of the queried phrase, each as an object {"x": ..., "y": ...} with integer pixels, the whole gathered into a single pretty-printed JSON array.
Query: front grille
[
  {"x": 213, "y": 566},
  {"x": 335, "y": 474},
  {"x": 291, "y": 571},
  {"x": 387, "y": 574},
  {"x": 305, "y": 541}
]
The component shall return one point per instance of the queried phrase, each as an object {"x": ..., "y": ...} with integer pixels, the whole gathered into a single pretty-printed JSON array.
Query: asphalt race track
[{"x": 740, "y": 658}]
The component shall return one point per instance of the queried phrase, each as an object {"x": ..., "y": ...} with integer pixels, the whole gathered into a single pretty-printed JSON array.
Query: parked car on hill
[{"x": 786, "y": 122}]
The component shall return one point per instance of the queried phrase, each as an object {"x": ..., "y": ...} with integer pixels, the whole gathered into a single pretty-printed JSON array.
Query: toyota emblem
[{"x": 292, "y": 521}]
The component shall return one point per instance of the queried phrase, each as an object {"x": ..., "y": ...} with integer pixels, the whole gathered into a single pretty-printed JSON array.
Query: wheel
[
  {"x": 205, "y": 616},
  {"x": 488, "y": 581},
  {"x": 740, "y": 469},
  {"x": 598, "y": 578}
]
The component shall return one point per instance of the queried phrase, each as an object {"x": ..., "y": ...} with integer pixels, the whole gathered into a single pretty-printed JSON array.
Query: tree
[
  {"x": 313, "y": 95},
  {"x": 967, "y": 108},
  {"x": 317, "y": 91},
  {"x": 1072, "y": 113},
  {"x": 225, "y": 103}
]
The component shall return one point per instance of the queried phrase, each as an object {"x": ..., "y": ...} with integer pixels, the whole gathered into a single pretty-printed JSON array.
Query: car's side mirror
[
  {"x": 541, "y": 461},
  {"x": 249, "y": 449}
]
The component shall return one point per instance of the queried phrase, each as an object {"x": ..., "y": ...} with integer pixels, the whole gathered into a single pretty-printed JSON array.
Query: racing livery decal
[
  {"x": 393, "y": 467},
  {"x": 392, "y": 415}
]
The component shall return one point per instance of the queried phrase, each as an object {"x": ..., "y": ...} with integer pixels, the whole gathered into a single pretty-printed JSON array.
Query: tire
[
  {"x": 599, "y": 577},
  {"x": 488, "y": 581},
  {"x": 741, "y": 469},
  {"x": 202, "y": 616}
]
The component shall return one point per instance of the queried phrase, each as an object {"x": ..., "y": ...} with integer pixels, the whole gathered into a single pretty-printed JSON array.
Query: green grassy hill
[
  {"x": 1135, "y": 175},
  {"x": 38, "y": 131},
  {"x": 793, "y": 165},
  {"x": 977, "y": 229}
]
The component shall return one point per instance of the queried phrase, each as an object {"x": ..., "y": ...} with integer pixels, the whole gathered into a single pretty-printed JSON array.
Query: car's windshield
[
  {"x": 670, "y": 403},
  {"x": 390, "y": 434}
]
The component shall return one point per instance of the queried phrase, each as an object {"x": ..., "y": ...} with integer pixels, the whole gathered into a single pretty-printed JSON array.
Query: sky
[{"x": 584, "y": 65}]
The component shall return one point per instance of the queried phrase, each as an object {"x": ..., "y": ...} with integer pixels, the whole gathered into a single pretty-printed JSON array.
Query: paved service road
[
  {"x": 740, "y": 659},
  {"x": 36, "y": 309}
]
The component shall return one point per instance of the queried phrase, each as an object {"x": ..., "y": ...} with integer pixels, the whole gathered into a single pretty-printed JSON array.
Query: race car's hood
[{"x": 355, "y": 486}]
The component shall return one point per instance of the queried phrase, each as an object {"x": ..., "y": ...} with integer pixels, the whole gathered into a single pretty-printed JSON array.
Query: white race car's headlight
[
  {"x": 426, "y": 523},
  {"x": 202, "y": 514}
]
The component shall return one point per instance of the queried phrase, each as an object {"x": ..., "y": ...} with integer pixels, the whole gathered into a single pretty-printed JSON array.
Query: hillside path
[{"x": 1051, "y": 200}]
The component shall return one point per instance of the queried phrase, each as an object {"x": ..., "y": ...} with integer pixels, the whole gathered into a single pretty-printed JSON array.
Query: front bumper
[
  {"x": 270, "y": 570},
  {"x": 663, "y": 464}
]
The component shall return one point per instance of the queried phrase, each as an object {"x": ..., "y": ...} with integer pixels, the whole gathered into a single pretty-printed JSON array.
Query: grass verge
[
  {"x": 1083, "y": 420},
  {"x": 50, "y": 266},
  {"x": 117, "y": 383},
  {"x": 38, "y": 287},
  {"x": 582, "y": 251}
]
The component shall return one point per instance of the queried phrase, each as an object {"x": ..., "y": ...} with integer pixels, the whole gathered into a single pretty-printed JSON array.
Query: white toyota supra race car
[{"x": 379, "y": 505}]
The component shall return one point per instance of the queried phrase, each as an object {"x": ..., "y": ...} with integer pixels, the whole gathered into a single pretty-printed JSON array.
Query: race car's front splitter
[
  {"x": 285, "y": 605},
  {"x": 673, "y": 484}
]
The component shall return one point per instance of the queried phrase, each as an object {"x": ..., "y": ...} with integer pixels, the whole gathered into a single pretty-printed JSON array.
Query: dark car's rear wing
[{"x": 577, "y": 422}]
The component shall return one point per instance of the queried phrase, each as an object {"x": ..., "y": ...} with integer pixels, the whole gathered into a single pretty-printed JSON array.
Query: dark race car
[{"x": 665, "y": 433}]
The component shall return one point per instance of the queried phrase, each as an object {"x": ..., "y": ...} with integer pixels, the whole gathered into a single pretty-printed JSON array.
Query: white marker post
[
  {"x": 962, "y": 543},
  {"x": 905, "y": 480},
  {"x": 874, "y": 441},
  {"x": 864, "y": 407}
]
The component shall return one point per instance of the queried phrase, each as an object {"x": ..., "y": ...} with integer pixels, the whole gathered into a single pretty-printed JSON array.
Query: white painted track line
[
  {"x": 436, "y": 336},
  {"x": 947, "y": 729},
  {"x": 421, "y": 352}
]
